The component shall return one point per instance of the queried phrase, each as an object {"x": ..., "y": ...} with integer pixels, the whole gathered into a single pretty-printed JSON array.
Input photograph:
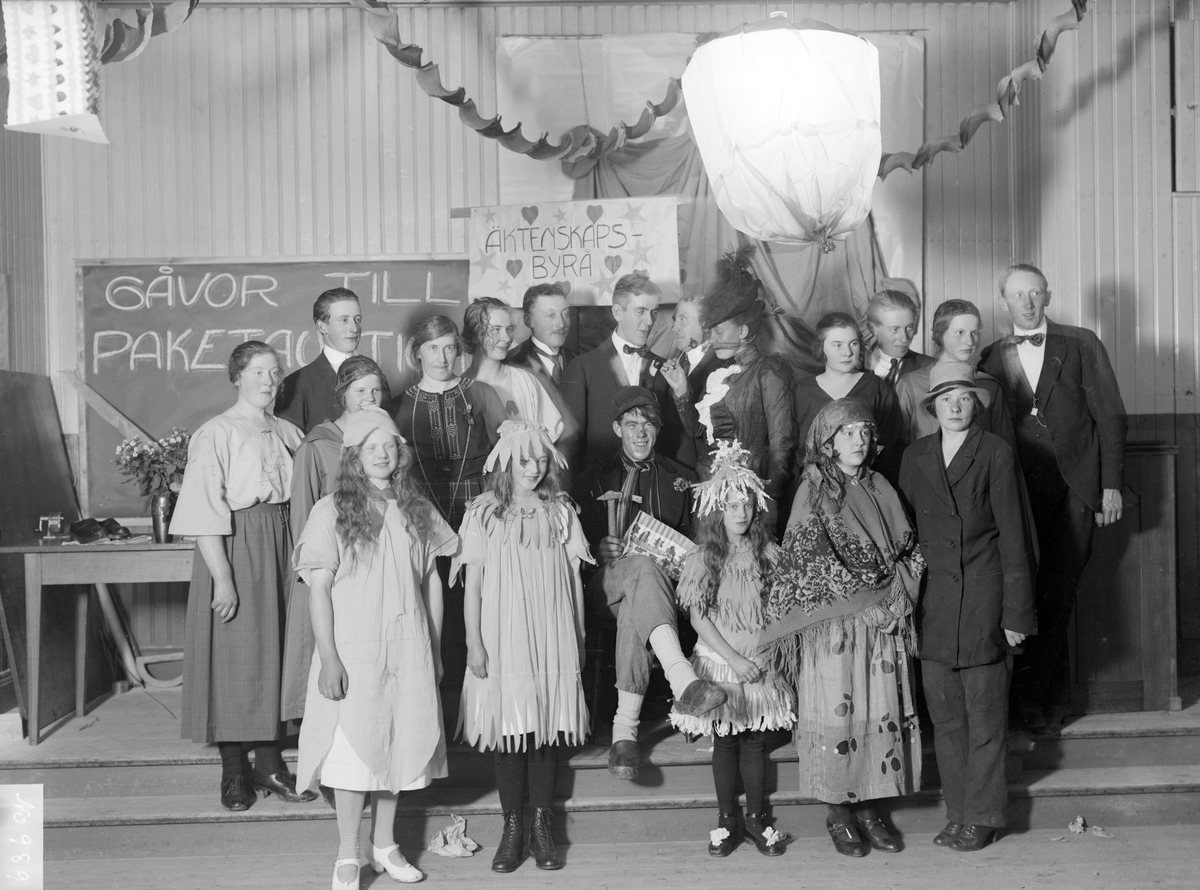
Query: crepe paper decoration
[
  {"x": 1078, "y": 826},
  {"x": 452, "y": 840},
  {"x": 576, "y": 144},
  {"x": 1098, "y": 831},
  {"x": 53, "y": 68},
  {"x": 1008, "y": 92},
  {"x": 786, "y": 118},
  {"x": 729, "y": 476},
  {"x": 521, "y": 440},
  {"x": 123, "y": 41}
]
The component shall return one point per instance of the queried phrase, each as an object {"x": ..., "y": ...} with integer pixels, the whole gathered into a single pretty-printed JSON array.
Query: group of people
[{"x": 382, "y": 569}]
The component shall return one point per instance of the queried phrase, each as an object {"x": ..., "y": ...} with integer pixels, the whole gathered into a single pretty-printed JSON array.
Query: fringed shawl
[{"x": 849, "y": 554}]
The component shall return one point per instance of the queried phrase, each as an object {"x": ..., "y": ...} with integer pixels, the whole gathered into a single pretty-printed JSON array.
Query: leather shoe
[
  {"x": 508, "y": 851},
  {"x": 282, "y": 784},
  {"x": 235, "y": 795},
  {"x": 878, "y": 835},
  {"x": 541, "y": 841},
  {"x": 699, "y": 698},
  {"x": 974, "y": 838},
  {"x": 846, "y": 839},
  {"x": 757, "y": 830},
  {"x": 726, "y": 822},
  {"x": 948, "y": 835},
  {"x": 624, "y": 759}
]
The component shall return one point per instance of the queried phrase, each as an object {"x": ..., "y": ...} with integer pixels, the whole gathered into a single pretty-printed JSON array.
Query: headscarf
[
  {"x": 360, "y": 424},
  {"x": 820, "y": 466}
]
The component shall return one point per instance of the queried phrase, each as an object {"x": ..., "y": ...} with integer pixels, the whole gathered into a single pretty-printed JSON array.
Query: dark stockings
[
  {"x": 534, "y": 770},
  {"x": 735, "y": 755},
  {"x": 233, "y": 760},
  {"x": 268, "y": 759}
]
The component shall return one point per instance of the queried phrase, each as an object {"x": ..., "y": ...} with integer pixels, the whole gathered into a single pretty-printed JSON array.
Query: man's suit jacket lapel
[
  {"x": 608, "y": 352},
  {"x": 1052, "y": 362}
]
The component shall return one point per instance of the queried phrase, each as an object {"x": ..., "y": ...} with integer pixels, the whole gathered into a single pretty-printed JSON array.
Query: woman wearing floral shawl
[{"x": 841, "y": 632}]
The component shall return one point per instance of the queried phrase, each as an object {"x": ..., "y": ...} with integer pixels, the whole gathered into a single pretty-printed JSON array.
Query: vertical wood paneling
[
  {"x": 289, "y": 132},
  {"x": 1187, "y": 379},
  {"x": 1187, "y": 106},
  {"x": 22, "y": 253}
]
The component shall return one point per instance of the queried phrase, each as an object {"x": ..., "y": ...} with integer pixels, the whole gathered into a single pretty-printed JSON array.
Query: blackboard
[{"x": 155, "y": 336}]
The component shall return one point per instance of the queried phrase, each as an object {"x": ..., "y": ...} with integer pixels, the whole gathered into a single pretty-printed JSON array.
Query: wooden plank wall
[
  {"x": 276, "y": 131},
  {"x": 22, "y": 256}
]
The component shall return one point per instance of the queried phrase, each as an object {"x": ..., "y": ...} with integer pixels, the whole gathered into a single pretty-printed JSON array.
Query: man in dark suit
[
  {"x": 632, "y": 589},
  {"x": 892, "y": 319},
  {"x": 1070, "y": 426},
  {"x": 548, "y": 316},
  {"x": 592, "y": 379},
  {"x": 306, "y": 396}
]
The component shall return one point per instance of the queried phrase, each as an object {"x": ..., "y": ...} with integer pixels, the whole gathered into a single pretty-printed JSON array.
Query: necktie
[
  {"x": 556, "y": 360},
  {"x": 685, "y": 363},
  {"x": 1035, "y": 339},
  {"x": 893, "y": 373}
]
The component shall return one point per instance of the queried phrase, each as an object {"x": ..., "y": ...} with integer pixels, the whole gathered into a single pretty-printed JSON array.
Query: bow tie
[
  {"x": 630, "y": 350},
  {"x": 1035, "y": 339}
]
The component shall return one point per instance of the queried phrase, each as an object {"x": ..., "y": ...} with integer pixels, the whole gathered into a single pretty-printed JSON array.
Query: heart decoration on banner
[
  {"x": 530, "y": 214},
  {"x": 514, "y": 268},
  {"x": 594, "y": 212},
  {"x": 564, "y": 286},
  {"x": 612, "y": 263}
]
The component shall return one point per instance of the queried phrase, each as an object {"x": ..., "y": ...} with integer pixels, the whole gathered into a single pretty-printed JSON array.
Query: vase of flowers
[{"x": 157, "y": 468}]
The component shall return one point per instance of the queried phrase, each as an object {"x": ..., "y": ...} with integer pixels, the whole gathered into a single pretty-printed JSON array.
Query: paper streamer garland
[
  {"x": 1008, "y": 91},
  {"x": 578, "y": 143}
]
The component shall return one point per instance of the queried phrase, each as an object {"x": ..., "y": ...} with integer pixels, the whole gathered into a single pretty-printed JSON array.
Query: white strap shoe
[
  {"x": 338, "y": 884},
  {"x": 405, "y": 872}
]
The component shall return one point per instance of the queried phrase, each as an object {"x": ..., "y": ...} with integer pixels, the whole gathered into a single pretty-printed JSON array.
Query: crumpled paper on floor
[{"x": 452, "y": 840}]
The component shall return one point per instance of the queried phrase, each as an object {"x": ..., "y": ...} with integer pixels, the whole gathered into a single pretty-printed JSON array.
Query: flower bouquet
[{"x": 157, "y": 466}]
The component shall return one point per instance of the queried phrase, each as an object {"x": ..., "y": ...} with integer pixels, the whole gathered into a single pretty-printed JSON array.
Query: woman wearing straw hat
[{"x": 976, "y": 604}]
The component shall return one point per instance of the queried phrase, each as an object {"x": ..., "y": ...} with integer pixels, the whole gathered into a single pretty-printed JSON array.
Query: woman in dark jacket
[
  {"x": 750, "y": 399},
  {"x": 976, "y": 602}
]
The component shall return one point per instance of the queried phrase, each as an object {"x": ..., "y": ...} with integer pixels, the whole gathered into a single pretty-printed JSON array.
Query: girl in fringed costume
[
  {"x": 522, "y": 697},
  {"x": 841, "y": 631},
  {"x": 372, "y": 719},
  {"x": 722, "y": 584}
]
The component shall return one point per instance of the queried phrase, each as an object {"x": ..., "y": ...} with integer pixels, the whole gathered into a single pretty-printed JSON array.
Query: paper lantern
[
  {"x": 53, "y": 68},
  {"x": 787, "y": 122}
]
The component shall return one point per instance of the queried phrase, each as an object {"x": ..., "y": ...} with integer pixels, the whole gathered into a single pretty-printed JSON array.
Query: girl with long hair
[
  {"x": 723, "y": 584},
  {"x": 522, "y": 696},
  {"x": 372, "y": 721}
]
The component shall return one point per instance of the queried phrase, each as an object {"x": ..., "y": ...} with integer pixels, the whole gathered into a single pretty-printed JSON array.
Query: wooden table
[{"x": 83, "y": 566}]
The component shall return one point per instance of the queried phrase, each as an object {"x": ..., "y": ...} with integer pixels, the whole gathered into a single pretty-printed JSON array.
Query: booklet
[{"x": 667, "y": 547}]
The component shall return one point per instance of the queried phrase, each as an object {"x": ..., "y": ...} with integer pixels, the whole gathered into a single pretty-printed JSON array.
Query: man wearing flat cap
[
  {"x": 633, "y": 589},
  {"x": 1070, "y": 425}
]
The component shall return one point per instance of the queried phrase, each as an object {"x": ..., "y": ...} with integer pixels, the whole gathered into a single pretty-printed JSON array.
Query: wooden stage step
[{"x": 119, "y": 782}]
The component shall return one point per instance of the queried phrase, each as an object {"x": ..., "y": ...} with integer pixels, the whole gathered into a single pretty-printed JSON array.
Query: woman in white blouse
[
  {"x": 233, "y": 501},
  {"x": 488, "y": 335}
]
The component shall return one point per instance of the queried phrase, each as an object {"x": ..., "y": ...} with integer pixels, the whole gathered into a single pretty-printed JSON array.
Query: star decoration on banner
[
  {"x": 490, "y": 216},
  {"x": 506, "y": 287},
  {"x": 484, "y": 263},
  {"x": 633, "y": 214},
  {"x": 604, "y": 284},
  {"x": 640, "y": 251},
  {"x": 561, "y": 214}
]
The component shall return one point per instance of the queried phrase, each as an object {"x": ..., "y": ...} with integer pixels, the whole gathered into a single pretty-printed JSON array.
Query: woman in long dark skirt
[{"x": 233, "y": 501}]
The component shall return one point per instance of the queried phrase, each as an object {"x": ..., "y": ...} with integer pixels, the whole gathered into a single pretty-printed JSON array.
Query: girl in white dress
[
  {"x": 372, "y": 718},
  {"x": 522, "y": 697}
]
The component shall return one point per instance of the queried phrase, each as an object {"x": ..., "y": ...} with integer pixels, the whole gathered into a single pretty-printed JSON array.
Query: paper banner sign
[{"x": 583, "y": 246}]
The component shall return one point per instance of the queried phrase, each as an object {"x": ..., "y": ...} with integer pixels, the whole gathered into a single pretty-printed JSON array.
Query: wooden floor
[{"x": 1134, "y": 859}]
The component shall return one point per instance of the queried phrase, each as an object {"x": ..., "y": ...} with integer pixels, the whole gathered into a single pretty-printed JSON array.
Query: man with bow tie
[
  {"x": 591, "y": 380},
  {"x": 1070, "y": 427},
  {"x": 544, "y": 354}
]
